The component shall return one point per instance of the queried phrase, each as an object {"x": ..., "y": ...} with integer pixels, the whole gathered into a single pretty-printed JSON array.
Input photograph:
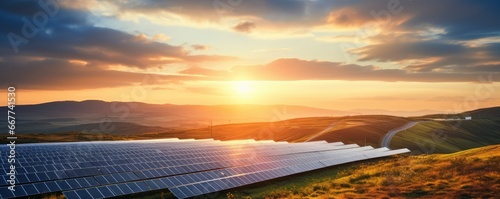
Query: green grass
[{"x": 448, "y": 136}]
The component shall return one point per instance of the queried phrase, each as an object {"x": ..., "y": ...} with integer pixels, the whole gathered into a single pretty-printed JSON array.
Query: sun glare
[{"x": 243, "y": 88}]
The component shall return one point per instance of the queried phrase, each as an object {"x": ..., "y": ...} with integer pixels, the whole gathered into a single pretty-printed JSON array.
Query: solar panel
[{"x": 186, "y": 167}]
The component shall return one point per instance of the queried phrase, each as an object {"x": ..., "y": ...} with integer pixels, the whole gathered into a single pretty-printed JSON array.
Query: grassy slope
[
  {"x": 353, "y": 129},
  {"x": 448, "y": 136},
  {"x": 469, "y": 174}
]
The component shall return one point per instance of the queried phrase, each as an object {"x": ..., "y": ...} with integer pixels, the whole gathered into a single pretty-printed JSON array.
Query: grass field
[{"x": 448, "y": 136}]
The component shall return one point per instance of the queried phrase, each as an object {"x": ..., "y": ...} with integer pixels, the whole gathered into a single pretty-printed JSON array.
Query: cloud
[
  {"x": 56, "y": 74},
  {"x": 245, "y": 27},
  {"x": 199, "y": 47},
  {"x": 460, "y": 18},
  {"x": 277, "y": 16},
  {"x": 160, "y": 37},
  {"x": 195, "y": 70},
  {"x": 70, "y": 52},
  {"x": 296, "y": 69},
  {"x": 70, "y": 34}
]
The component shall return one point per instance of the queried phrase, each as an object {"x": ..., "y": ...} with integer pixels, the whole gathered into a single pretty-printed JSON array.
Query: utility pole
[{"x": 211, "y": 130}]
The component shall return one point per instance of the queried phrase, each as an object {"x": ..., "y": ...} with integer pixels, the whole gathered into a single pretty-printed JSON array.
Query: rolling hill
[
  {"x": 349, "y": 129},
  {"x": 148, "y": 121},
  {"x": 57, "y": 115},
  {"x": 448, "y": 136}
]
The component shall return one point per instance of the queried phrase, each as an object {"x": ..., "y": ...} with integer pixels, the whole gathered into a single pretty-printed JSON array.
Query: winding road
[{"x": 386, "y": 140}]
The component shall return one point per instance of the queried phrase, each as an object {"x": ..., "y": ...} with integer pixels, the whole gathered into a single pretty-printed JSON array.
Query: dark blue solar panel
[
  {"x": 32, "y": 177},
  {"x": 20, "y": 192},
  {"x": 40, "y": 168},
  {"x": 6, "y": 193},
  {"x": 82, "y": 193},
  {"x": 83, "y": 183},
  {"x": 125, "y": 188},
  {"x": 53, "y": 187},
  {"x": 106, "y": 192},
  {"x": 134, "y": 187},
  {"x": 21, "y": 179},
  {"x": 29, "y": 169},
  {"x": 30, "y": 189},
  {"x": 152, "y": 184},
  {"x": 92, "y": 181},
  {"x": 101, "y": 180},
  {"x": 43, "y": 176},
  {"x": 73, "y": 184},
  {"x": 61, "y": 174},
  {"x": 42, "y": 187},
  {"x": 114, "y": 178},
  {"x": 140, "y": 174},
  {"x": 116, "y": 190},
  {"x": 144, "y": 187},
  {"x": 95, "y": 193},
  {"x": 63, "y": 184},
  {"x": 52, "y": 175},
  {"x": 110, "y": 178},
  {"x": 71, "y": 195}
]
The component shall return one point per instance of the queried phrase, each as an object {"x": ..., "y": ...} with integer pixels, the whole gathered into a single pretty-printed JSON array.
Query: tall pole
[{"x": 211, "y": 131}]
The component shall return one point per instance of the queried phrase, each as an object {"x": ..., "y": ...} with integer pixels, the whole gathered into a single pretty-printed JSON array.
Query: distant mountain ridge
[{"x": 74, "y": 115}]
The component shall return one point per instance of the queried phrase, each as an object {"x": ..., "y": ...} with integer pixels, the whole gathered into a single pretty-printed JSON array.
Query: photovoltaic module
[{"x": 187, "y": 168}]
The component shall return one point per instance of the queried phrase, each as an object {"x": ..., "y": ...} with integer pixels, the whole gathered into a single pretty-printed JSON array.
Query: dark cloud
[
  {"x": 244, "y": 27},
  {"x": 47, "y": 56},
  {"x": 462, "y": 19},
  {"x": 280, "y": 11},
  {"x": 440, "y": 36},
  {"x": 70, "y": 35},
  {"x": 397, "y": 50}
]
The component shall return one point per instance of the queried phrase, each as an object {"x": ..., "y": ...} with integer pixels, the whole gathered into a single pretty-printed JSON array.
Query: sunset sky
[{"x": 336, "y": 54}]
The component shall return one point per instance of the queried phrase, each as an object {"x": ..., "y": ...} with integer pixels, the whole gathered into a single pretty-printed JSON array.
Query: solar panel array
[{"x": 186, "y": 167}]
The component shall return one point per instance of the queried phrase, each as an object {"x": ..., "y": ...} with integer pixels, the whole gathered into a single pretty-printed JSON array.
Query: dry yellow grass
[{"x": 473, "y": 173}]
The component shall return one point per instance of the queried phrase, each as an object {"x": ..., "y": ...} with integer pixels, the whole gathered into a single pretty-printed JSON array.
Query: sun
[{"x": 243, "y": 88}]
